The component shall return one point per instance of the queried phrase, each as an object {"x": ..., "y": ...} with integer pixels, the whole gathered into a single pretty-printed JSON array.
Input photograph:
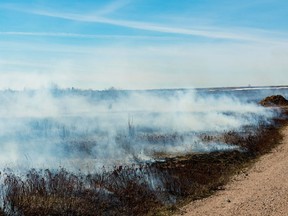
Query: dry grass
[{"x": 149, "y": 189}]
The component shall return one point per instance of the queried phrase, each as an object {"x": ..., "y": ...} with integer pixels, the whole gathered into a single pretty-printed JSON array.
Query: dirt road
[{"x": 261, "y": 190}]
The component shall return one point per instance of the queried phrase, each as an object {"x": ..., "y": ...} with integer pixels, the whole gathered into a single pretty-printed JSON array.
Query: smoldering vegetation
[
  {"x": 74, "y": 152},
  {"x": 55, "y": 127}
]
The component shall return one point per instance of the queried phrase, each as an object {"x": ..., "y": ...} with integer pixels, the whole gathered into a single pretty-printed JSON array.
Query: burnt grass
[{"x": 156, "y": 188}]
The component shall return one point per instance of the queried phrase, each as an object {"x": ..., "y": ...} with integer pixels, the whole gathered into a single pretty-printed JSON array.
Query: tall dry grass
[{"x": 142, "y": 189}]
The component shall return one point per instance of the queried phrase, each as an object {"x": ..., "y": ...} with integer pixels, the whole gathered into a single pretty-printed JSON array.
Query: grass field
[{"x": 154, "y": 188}]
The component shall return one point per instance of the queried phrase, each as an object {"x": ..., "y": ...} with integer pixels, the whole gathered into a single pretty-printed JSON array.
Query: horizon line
[{"x": 151, "y": 89}]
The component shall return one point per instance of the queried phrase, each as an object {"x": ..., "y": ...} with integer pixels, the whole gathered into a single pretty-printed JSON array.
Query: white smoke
[{"x": 51, "y": 128}]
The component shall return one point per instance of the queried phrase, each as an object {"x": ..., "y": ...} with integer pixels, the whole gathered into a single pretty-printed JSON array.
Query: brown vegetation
[
  {"x": 143, "y": 189},
  {"x": 274, "y": 100},
  {"x": 135, "y": 190}
]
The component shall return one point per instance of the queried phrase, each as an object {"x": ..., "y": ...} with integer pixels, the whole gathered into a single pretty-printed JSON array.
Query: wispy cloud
[
  {"x": 113, "y": 6},
  {"x": 50, "y": 34},
  {"x": 76, "y": 35},
  {"x": 240, "y": 34},
  {"x": 143, "y": 25},
  {"x": 88, "y": 47}
]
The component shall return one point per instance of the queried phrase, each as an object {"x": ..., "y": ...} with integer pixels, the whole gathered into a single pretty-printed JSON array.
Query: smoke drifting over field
[{"x": 83, "y": 130}]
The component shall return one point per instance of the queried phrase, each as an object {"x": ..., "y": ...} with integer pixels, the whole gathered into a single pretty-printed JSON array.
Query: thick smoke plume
[{"x": 87, "y": 129}]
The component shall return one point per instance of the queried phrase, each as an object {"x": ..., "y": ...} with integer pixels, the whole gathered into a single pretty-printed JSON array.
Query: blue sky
[{"x": 143, "y": 44}]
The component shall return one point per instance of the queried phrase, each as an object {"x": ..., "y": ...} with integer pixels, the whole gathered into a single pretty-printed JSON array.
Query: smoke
[{"x": 84, "y": 130}]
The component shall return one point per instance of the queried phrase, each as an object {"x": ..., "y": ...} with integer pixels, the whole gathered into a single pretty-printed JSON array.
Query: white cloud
[
  {"x": 84, "y": 36},
  {"x": 239, "y": 34},
  {"x": 113, "y": 6},
  {"x": 248, "y": 57}
]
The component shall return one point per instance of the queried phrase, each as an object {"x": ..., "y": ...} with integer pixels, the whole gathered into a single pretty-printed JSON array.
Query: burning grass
[{"x": 153, "y": 188}]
